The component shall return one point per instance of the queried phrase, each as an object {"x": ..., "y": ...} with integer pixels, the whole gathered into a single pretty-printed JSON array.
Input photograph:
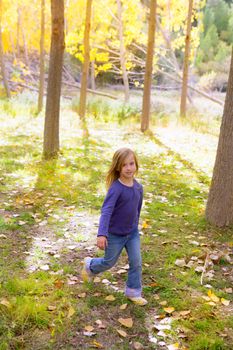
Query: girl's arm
[
  {"x": 107, "y": 210},
  {"x": 140, "y": 202}
]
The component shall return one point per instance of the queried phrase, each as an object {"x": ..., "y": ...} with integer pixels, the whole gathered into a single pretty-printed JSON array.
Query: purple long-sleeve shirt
[{"x": 121, "y": 209}]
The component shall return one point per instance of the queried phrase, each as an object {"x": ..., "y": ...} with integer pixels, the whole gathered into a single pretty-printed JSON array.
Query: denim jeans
[{"x": 116, "y": 244}]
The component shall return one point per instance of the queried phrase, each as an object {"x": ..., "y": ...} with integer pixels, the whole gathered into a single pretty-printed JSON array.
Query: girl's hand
[{"x": 102, "y": 242}]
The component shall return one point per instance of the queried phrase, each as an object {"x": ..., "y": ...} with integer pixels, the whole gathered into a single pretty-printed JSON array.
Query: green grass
[{"x": 34, "y": 191}]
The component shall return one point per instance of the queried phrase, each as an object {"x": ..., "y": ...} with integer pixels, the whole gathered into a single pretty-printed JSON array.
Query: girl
[{"x": 118, "y": 226}]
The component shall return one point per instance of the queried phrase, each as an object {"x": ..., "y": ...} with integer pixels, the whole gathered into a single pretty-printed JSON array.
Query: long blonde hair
[{"x": 117, "y": 162}]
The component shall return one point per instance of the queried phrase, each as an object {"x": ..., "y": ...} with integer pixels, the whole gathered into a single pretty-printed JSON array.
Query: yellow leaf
[
  {"x": 145, "y": 224},
  {"x": 225, "y": 301},
  {"x": 169, "y": 310},
  {"x": 163, "y": 303},
  {"x": 5, "y": 302},
  {"x": 173, "y": 346},
  {"x": 123, "y": 306},
  {"x": 213, "y": 297},
  {"x": 110, "y": 298},
  {"x": 127, "y": 322},
  {"x": 89, "y": 328},
  {"x": 71, "y": 312},
  {"x": 96, "y": 345},
  {"x": 122, "y": 333}
]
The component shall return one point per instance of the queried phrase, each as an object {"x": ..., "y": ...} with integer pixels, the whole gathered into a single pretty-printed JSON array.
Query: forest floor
[{"x": 49, "y": 218}]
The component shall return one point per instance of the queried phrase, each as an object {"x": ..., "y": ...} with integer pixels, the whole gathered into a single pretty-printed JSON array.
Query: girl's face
[{"x": 128, "y": 168}]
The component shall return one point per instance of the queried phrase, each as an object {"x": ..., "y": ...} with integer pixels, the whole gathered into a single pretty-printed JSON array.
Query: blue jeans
[{"x": 131, "y": 243}]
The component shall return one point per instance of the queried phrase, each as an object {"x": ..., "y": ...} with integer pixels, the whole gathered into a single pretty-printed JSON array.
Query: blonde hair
[{"x": 117, "y": 162}]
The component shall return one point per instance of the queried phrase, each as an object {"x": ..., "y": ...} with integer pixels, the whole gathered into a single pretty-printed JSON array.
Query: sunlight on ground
[
  {"x": 47, "y": 245},
  {"x": 199, "y": 149}
]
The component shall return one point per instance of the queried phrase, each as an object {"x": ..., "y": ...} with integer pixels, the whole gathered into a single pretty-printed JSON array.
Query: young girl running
[{"x": 118, "y": 226}]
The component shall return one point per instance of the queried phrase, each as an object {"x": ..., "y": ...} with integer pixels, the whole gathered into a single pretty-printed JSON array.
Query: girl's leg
[
  {"x": 134, "y": 281},
  {"x": 112, "y": 253}
]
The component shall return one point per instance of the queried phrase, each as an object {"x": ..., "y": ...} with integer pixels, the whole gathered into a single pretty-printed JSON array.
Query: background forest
[
  {"x": 210, "y": 49},
  {"x": 78, "y": 80}
]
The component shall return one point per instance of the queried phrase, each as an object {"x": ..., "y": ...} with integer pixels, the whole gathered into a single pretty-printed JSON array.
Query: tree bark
[
  {"x": 149, "y": 68},
  {"x": 51, "y": 127},
  {"x": 85, "y": 68},
  {"x": 93, "y": 87},
  {"x": 42, "y": 68},
  {"x": 183, "y": 100},
  {"x": 219, "y": 209},
  {"x": 3, "y": 69},
  {"x": 122, "y": 51}
]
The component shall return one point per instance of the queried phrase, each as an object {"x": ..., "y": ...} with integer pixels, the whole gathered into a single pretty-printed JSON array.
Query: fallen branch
[{"x": 221, "y": 103}]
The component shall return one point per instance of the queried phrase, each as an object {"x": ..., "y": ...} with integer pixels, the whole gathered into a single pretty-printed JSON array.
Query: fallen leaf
[
  {"x": 127, "y": 322},
  {"x": 100, "y": 324},
  {"x": 44, "y": 267},
  {"x": 137, "y": 345},
  {"x": 228, "y": 290},
  {"x": 173, "y": 346},
  {"x": 5, "y": 302},
  {"x": 169, "y": 310},
  {"x": 163, "y": 303},
  {"x": 58, "y": 284},
  {"x": 97, "y": 280},
  {"x": 122, "y": 333},
  {"x": 180, "y": 262},
  {"x": 145, "y": 225},
  {"x": 121, "y": 271},
  {"x": 89, "y": 328},
  {"x": 71, "y": 312},
  {"x": 97, "y": 345},
  {"x": 225, "y": 301},
  {"x": 211, "y": 303},
  {"x": 82, "y": 295},
  {"x": 123, "y": 306},
  {"x": 185, "y": 312},
  {"x": 110, "y": 298},
  {"x": 213, "y": 297},
  {"x": 51, "y": 308}
]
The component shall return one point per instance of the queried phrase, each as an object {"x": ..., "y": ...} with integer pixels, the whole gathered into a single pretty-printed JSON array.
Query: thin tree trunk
[
  {"x": 123, "y": 51},
  {"x": 85, "y": 68},
  {"x": 12, "y": 45},
  {"x": 93, "y": 87},
  {"x": 219, "y": 209},
  {"x": 25, "y": 46},
  {"x": 3, "y": 69},
  {"x": 18, "y": 30},
  {"x": 42, "y": 68},
  {"x": 183, "y": 100},
  {"x": 51, "y": 127},
  {"x": 149, "y": 68}
]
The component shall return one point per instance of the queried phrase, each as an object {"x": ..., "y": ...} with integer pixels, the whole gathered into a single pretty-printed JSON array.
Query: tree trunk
[
  {"x": 51, "y": 127},
  {"x": 42, "y": 68},
  {"x": 186, "y": 62},
  {"x": 93, "y": 87},
  {"x": 123, "y": 51},
  {"x": 219, "y": 209},
  {"x": 3, "y": 69},
  {"x": 149, "y": 68},
  {"x": 18, "y": 30},
  {"x": 85, "y": 68},
  {"x": 25, "y": 47}
]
